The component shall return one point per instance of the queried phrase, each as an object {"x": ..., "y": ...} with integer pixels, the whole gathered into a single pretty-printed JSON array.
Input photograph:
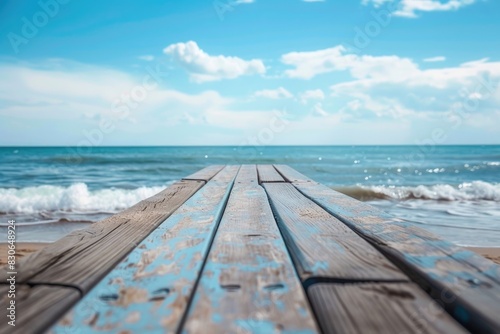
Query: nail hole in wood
[
  {"x": 231, "y": 287},
  {"x": 110, "y": 297},
  {"x": 165, "y": 291},
  {"x": 274, "y": 286}
]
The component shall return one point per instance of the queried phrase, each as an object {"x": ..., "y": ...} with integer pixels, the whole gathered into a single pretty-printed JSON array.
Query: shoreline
[{"x": 491, "y": 253}]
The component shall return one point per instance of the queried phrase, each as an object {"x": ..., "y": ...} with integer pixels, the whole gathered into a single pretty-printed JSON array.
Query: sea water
[{"x": 453, "y": 191}]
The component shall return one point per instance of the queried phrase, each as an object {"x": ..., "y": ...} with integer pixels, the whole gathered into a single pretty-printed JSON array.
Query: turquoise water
[{"x": 451, "y": 190}]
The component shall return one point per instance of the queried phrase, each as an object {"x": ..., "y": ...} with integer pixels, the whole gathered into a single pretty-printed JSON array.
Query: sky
[{"x": 249, "y": 72}]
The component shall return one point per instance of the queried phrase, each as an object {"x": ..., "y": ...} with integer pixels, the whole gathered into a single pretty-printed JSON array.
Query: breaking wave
[
  {"x": 469, "y": 191},
  {"x": 78, "y": 198},
  {"x": 75, "y": 198}
]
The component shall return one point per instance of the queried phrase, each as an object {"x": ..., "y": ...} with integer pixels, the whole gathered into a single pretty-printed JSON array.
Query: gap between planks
[
  {"x": 67, "y": 262},
  {"x": 269, "y": 174},
  {"x": 206, "y": 256},
  {"x": 154, "y": 283},
  {"x": 249, "y": 282},
  {"x": 346, "y": 262},
  {"x": 205, "y": 174},
  {"x": 323, "y": 247},
  {"x": 466, "y": 284},
  {"x": 379, "y": 308}
]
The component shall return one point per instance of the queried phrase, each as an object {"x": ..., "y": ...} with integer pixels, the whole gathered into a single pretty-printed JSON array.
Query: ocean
[{"x": 453, "y": 191}]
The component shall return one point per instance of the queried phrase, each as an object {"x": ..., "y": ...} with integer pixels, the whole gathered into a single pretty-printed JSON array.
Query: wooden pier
[{"x": 253, "y": 249}]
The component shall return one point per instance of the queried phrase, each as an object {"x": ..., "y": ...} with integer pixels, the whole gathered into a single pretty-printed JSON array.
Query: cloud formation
[
  {"x": 68, "y": 90},
  {"x": 203, "y": 67},
  {"x": 278, "y": 93},
  {"x": 399, "y": 88},
  {"x": 410, "y": 8},
  {"x": 315, "y": 94},
  {"x": 309, "y": 64},
  {"x": 390, "y": 90},
  {"x": 138, "y": 107}
]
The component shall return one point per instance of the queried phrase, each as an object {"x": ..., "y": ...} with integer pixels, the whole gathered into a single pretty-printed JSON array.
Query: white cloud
[
  {"x": 434, "y": 59},
  {"x": 409, "y": 8},
  {"x": 67, "y": 90},
  {"x": 318, "y": 109},
  {"x": 315, "y": 94},
  {"x": 279, "y": 93},
  {"x": 77, "y": 97},
  {"x": 60, "y": 88},
  {"x": 311, "y": 63},
  {"x": 336, "y": 129},
  {"x": 203, "y": 67},
  {"x": 241, "y": 2},
  {"x": 389, "y": 99},
  {"x": 399, "y": 88}
]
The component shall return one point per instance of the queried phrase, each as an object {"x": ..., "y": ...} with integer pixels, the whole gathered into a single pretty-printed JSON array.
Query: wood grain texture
[
  {"x": 83, "y": 257},
  {"x": 291, "y": 175},
  {"x": 321, "y": 245},
  {"x": 36, "y": 307},
  {"x": 466, "y": 284},
  {"x": 267, "y": 173},
  {"x": 205, "y": 174},
  {"x": 373, "y": 308},
  {"x": 249, "y": 284},
  {"x": 247, "y": 175},
  {"x": 150, "y": 289}
]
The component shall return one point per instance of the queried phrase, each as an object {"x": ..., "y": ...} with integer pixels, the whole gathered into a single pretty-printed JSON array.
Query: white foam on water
[
  {"x": 75, "y": 198},
  {"x": 468, "y": 191},
  {"x": 78, "y": 197}
]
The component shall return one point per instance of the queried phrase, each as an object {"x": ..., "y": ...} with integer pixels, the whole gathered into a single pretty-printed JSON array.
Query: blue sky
[{"x": 243, "y": 72}]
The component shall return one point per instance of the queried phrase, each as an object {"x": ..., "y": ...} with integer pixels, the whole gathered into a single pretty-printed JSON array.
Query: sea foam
[
  {"x": 467, "y": 191},
  {"x": 75, "y": 198}
]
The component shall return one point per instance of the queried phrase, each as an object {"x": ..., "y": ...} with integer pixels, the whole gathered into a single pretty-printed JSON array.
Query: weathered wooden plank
[
  {"x": 466, "y": 284},
  {"x": 391, "y": 308},
  {"x": 205, "y": 174},
  {"x": 249, "y": 284},
  {"x": 83, "y": 257},
  {"x": 150, "y": 289},
  {"x": 267, "y": 173},
  {"x": 291, "y": 175},
  {"x": 247, "y": 175},
  {"x": 323, "y": 247},
  {"x": 35, "y": 306}
]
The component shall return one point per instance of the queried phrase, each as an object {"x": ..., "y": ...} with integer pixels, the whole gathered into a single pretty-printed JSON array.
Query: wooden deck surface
[{"x": 254, "y": 249}]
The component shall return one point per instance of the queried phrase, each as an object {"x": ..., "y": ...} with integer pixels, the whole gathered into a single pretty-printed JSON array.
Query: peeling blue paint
[
  {"x": 441, "y": 264},
  {"x": 170, "y": 263},
  {"x": 247, "y": 283}
]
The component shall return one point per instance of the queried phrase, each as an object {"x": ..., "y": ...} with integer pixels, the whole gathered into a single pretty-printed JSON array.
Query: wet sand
[
  {"x": 22, "y": 249},
  {"x": 492, "y": 253}
]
